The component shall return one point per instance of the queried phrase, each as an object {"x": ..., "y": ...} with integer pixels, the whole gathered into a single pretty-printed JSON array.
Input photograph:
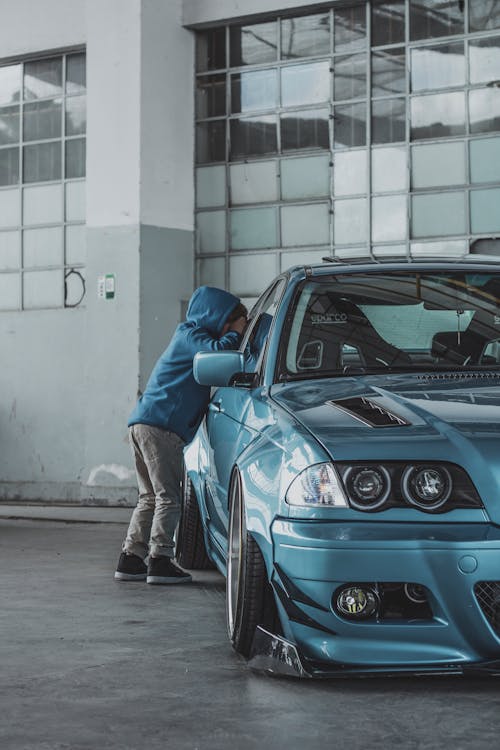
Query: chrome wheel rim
[{"x": 234, "y": 558}]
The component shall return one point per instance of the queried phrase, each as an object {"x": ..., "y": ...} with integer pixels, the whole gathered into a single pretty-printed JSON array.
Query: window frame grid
[
  {"x": 408, "y": 191},
  {"x": 21, "y": 185}
]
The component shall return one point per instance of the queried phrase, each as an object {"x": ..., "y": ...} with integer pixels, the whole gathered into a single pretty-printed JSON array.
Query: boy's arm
[{"x": 201, "y": 341}]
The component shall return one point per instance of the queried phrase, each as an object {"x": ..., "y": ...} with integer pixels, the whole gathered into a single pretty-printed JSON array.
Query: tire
[
  {"x": 191, "y": 552},
  {"x": 249, "y": 598}
]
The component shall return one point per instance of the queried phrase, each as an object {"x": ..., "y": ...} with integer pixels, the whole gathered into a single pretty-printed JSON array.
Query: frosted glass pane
[
  {"x": 76, "y": 74},
  {"x": 349, "y": 172},
  {"x": 389, "y": 251},
  {"x": 484, "y": 110},
  {"x": 254, "y": 90},
  {"x": 253, "y": 228},
  {"x": 10, "y": 84},
  {"x": 10, "y": 208},
  {"x": 437, "y": 67},
  {"x": 389, "y": 218},
  {"x": 484, "y": 60},
  {"x": 43, "y": 289},
  {"x": 42, "y": 120},
  {"x": 484, "y": 204},
  {"x": 75, "y": 201},
  {"x": 307, "y": 257},
  {"x": 76, "y": 115},
  {"x": 250, "y": 274},
  {"x": 211, "y": 231},
  {"x": 253, "y": 183},
  {"x": 75, "y": 244},
  {"x": 43, "y": 204},
  {"x": 350, "y": 219},
  {"x": 438, "y": 164},
  {"x": 305, "y": 37},
  {"x": 43, "y": 78},
  {"x": 210, "y": 186},
  {"x": 76, "y": 154},
  {"x": 43, "y": 247},
  {"x": 438, "y": 249},
  {"x": 352, "y": 252},
  {"x": 484, "y": 160},
  {"x": 438, "y": 213},
  {"x": 42, "y": 162},
  {"x": 10, "y": 291},
  {"x": 438, "y": 115},
  {"x": 10, "y": 245},
  {"x": 305, "y": 178},
  {"x": 305, "y": 225},
  {"x": 305, "y": 84},
  {"x": 211, "y": 271},
  {"x": 389, "y": 170},
  {"x": 252, "y": 44}
]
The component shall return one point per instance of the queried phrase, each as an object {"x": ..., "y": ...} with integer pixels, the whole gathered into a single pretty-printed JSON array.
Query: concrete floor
[{"x": 90, "y": 663}]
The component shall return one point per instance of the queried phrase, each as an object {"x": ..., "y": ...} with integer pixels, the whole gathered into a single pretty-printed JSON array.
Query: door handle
[{"x": 214, "y": 406}]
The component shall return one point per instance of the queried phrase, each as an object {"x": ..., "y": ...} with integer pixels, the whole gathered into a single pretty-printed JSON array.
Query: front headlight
[{"x": 317, "y": 485}]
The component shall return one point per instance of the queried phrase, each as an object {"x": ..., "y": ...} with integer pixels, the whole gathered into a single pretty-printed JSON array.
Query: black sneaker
[
  {"x": 130, "y": 568},
  {"x": 163, "y": 570}
]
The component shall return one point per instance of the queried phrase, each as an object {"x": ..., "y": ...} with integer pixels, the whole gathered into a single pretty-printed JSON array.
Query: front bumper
[
  {"x": 276, "y": 656},
  {"x": 312, "y": 559}
]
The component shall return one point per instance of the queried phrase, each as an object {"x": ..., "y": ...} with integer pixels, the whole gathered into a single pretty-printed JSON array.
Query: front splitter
[{"x": 274, "y": 655}]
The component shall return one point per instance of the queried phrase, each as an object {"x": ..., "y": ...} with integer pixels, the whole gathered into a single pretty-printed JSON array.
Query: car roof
[{"x": 470, "y": 263}]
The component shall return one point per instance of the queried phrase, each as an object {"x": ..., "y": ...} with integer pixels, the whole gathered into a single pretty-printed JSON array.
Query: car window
[
  {"x": 401, "y": 320},
  {"x": 256, "y": 335}
]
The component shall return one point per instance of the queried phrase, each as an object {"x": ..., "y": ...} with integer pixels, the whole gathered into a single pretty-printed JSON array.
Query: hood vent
[
  {"x": 369, "y": 412},
  {"x": 479, "y": 375}
]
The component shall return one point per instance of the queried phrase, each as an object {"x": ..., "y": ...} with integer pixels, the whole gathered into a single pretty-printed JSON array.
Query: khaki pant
[{"x": 159, "y": 467}]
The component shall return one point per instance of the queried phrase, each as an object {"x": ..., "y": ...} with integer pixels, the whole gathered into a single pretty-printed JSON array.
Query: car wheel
[
  {"x": 249, "y": 598},
  {"x": 191, "y": 552}
]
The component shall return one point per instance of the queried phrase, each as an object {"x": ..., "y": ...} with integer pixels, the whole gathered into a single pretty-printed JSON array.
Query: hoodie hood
[{"x": 209, "y": 308}]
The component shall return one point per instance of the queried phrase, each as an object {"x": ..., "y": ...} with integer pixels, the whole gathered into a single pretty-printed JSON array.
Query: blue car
[{"x": 346, "y": 477}]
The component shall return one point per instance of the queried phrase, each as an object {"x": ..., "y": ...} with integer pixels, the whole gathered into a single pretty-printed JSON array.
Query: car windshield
[{"x": 380, "y": 322}]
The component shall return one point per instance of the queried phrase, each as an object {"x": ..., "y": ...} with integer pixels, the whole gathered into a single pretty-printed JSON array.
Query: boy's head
[{"x": 240, "y": 311}]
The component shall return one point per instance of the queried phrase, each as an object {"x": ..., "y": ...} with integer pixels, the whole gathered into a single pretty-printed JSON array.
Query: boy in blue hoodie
[{"x": 165, "y": 418}]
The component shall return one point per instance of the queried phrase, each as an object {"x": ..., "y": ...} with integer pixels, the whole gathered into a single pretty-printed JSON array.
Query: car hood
[{"x": 440, "y": 417}]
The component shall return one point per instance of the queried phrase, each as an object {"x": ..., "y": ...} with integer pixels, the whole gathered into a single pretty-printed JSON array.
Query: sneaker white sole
[
  {"x": 130, "y": 576},
  {"x": 166, "y": 580}
]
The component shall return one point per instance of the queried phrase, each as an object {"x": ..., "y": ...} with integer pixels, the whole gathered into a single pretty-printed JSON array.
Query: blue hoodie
[{"x": 173, "y": 399}]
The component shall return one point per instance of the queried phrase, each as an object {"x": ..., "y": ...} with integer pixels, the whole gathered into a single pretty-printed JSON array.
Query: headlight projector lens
[
  {"x": 368, "y": 487},
  {"x": 356, "y": 602},
  {"x": 426, "y": 487}
]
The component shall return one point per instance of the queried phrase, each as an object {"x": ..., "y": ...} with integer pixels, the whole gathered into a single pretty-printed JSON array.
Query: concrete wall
[
  {"x": 200, "y": 12},
  {"x": 41, "y": 383},
  {"x": 70, "y": 377}
]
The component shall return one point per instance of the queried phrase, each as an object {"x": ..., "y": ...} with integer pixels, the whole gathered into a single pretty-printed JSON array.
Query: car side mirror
[{"x": 217, "y": 368}]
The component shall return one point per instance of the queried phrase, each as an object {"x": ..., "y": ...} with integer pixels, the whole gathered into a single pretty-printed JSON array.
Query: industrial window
[
  {"x": 42, "y": 185},
  {"x": 372, "y": 129}
]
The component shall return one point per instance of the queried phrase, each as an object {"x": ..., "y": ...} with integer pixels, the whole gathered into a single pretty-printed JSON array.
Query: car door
[{"x": 229, "y": 423}]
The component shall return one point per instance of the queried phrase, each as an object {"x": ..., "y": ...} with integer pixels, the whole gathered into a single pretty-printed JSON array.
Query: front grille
[{"x": 488, "y": 597}]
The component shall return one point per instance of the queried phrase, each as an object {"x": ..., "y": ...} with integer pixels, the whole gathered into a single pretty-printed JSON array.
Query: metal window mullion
[
  {"x": 227, "y": 234},
  {"x": 368, "y": 125},
  {"x": 467, "y": 139},
  {"x": 21, "y": 184},
  {"x": 63, "y": 167},
  {"x": 277, "y": 116},
  {"x": 331, "y": 136},
  {"x": 408, "y": 129}
]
